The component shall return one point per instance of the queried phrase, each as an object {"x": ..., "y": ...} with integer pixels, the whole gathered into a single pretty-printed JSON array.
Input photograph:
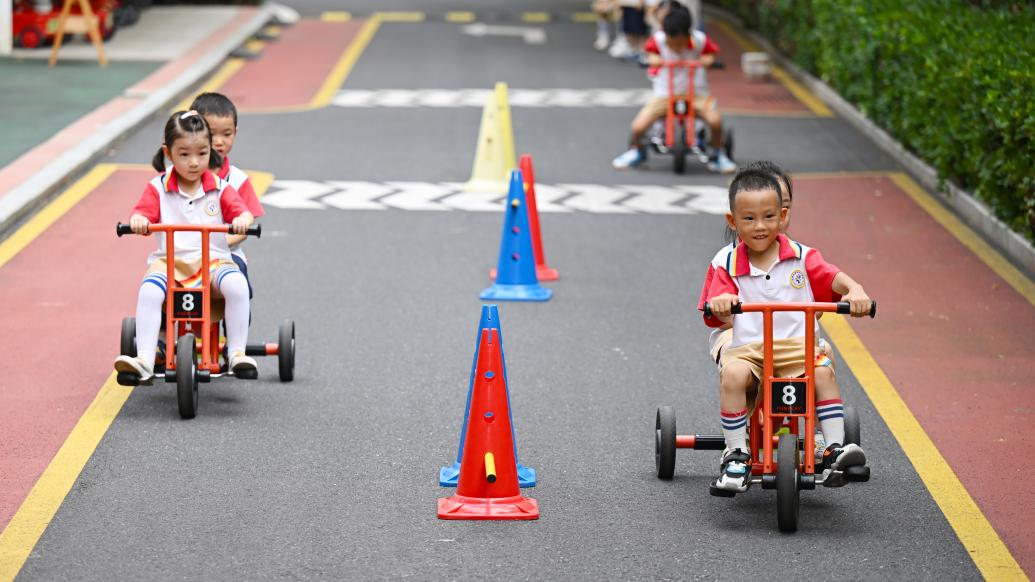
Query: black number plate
[
  {"x": 789, "y": 396},
  {"x": 187, "y": 304}
]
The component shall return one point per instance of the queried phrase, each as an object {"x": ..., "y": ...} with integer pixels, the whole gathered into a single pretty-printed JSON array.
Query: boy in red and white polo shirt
[
  {"x": 766, "y": 266},
  {"x": 677, "y": 41},
  {"x": 221, "y": 116}
]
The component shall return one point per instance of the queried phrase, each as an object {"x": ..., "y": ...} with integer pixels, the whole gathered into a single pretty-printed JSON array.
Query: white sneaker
[
  {"x": 131, "y": 365},
  {"x": 620, "y": 48},
  {"x": 239, "y": 362},
  {"x": 722, "y": 164},
  {"x": 603, "y": 39}
]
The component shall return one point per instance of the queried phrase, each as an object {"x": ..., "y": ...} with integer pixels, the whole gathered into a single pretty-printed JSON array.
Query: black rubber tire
[
  {"x": 787, "y": 483},
  {"x": 853, "y": 432},
  {"x": 728, "y": 142},
  {"x": 286, "y": 350},
  {"x": 128, "y": 342},
  {"x": 187, "y": 375},
  {"x": 665, "y": 442},
  {"x": 679, "y": 149}
]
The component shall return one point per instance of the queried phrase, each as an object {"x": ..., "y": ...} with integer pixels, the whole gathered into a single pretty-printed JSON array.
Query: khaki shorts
[
  {"x": 788, "y": 357},
  {"x": 657, "y": 107}
]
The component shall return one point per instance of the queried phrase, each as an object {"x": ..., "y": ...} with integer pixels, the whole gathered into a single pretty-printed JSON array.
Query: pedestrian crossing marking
[{"x": 451, "y": 196}]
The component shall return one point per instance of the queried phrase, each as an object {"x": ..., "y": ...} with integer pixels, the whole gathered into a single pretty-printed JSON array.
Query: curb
[
  {"x": 31, "y": 194},
  {"x": 973, "y": 212}
]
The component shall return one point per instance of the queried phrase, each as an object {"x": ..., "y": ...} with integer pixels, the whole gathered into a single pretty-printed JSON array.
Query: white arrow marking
[
  {"x": 416, "y": 196},
  {"x": 397, "y": 98},
  {"x": 707, "y": 199},
  {"x": 526, "y": 97},
  {"x": 567, "y": 98},
  {"x": 655, "y": 200},
  {"x": 618, "y": 97},
  {"x": 357, "y": 195},
  {"x": 297, "y": 194},
  {"x": 593, "y": 198},
  {"x": 473, "y": 201},
  {"x": 531, "y": 35},
  {"x": 440, "y": 98},
  {"x": 546, "y": 197}
]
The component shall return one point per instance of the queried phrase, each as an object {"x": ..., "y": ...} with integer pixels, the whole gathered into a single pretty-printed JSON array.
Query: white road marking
[
  {"x": 477, "y": 97},
  {"x": 530, "y": 34},
  {"x": 444, "y": 196}
]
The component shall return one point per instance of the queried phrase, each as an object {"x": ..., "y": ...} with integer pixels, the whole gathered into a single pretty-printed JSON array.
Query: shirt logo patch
[
  {"x": 797, "y": 279},
  {"x": 212, "y": 208}
]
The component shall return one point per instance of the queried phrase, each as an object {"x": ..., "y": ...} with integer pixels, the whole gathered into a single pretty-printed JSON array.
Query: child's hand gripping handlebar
[
  {"x": 842, "y": 307},
  {"x": 255, "y": 230}
]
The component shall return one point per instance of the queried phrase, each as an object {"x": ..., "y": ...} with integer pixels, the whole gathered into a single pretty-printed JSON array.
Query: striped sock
[
  {"x": 831, "y": 415},
  {"x": 734, "y": 429}
]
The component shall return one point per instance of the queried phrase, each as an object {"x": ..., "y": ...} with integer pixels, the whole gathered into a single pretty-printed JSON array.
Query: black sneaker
[
  {"x": 735, "y": 475},
  {"x": 837, "y": 458}
]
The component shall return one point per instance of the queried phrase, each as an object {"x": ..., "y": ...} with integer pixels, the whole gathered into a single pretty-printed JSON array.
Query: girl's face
[
  {"x": 757, "y": 217},
  {"x": 189, "y": 155}
]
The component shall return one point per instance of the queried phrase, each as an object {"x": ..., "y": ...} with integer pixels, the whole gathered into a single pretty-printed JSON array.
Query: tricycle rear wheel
[
  {"x": 665, "y": 442},
  {"x": 787, "y": 483},
  {"x": 286, "y": 351}
]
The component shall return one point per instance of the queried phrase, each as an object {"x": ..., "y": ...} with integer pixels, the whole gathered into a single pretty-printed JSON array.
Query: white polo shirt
[
  {"x": 799, "y": 275},
  {"x": 243, "y": 184},
  {"x": 215, "y": 202}
]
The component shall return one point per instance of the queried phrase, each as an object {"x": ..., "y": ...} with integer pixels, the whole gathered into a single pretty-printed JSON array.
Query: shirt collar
[
  {"x": 739, "y": 264},
  {"x": 171, "y": 183}
]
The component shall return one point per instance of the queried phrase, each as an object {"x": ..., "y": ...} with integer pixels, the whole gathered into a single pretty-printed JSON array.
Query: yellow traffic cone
[{"x": 495, "y": 157}]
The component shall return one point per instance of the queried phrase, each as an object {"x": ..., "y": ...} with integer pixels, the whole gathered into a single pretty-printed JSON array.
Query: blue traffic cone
[
  {"x": 449, "y": 476},
  {"x": 515, "y": 272}
]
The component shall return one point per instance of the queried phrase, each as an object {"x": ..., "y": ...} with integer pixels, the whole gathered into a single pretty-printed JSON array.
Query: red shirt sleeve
[
  {"x": 720, "y": 283},
  {"x": 247, "y": 194},
  {"x": 710, "y": 48},
  {"x": 651, "y": 47},
  {"x": 231, "y": 204},
  {"x": 821, "y": 277},
  {"x": 705, "y": 287},
  {"x": 149, "y": 206}
]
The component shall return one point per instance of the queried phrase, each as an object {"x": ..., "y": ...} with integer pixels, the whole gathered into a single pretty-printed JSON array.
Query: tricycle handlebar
[
  {"x": 121, "y": 229},
  {"x": 842, "y": 307}
]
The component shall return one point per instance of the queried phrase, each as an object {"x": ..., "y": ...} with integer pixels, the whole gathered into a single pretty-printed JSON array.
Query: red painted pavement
[
  {"x": 735, "y": 93},
  {"x": 63, "y": 299},
  {"x": 953, "y": 338},
  {"x": 290, "y": 71}
]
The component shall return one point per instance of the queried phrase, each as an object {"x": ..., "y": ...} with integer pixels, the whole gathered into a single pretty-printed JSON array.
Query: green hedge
[{"x": 953, "y": 81}]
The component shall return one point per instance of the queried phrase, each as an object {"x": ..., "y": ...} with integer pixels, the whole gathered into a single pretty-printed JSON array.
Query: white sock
[
  {"x": 149, "y": 316},
  {"x": 734, "y": 429},
  {"x": 603, "y": 29},
  {"x": 234, "y": 288},
  {"x": 831, "y": 415}
]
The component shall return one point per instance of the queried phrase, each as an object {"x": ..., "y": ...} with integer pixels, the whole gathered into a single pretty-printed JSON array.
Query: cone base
[
  {"x": 542, "y": 273},
  {"x": 450, "y": 476},
  {"x": 503, "y": 292},
  {"x": 462, "y": 507}
]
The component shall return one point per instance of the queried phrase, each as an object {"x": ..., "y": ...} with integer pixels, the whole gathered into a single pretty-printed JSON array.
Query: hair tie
[{"x": 187, "y": 114}]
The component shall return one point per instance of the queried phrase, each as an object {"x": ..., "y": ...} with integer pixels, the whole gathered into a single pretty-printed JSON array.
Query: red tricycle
[
  {"x": 33, "y": 26},
  {"x": 782, "y": 430},
  {"x": 192, "y": 327},
  {"x": 681, "y": 132}
]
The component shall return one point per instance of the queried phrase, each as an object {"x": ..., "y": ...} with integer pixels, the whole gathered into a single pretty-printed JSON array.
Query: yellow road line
[
  {"x": 344, "y": 65},
  {"x": 229, "y": 68},
  {"x": 460, "y": 16},
  {"x": 399, "y": 16},
  {"x": 339, "y": 16},
  {"x": 584, "y": 17},
  {"x": 53, "y": 211},
  {"x": 35, "y": 513},
  {"x": 535, "y": 17},
  {"x": 995, "y": 261},
  {"x": 802, "y": 94},
  {"x": 988, "y": 551}
]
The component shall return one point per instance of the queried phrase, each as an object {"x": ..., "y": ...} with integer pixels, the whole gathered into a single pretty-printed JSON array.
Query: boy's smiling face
[
  {"x": 757, "y": 217},
  {"x": 223, "y": 133}
]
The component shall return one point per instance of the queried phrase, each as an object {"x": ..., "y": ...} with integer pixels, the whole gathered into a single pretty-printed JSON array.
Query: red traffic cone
[
  {"x": 542, "y": 271},
  {"x": 488, "y": 484}
]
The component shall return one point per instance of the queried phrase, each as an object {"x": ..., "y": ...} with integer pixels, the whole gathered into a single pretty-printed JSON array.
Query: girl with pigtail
[{"x": 188, "y": 192}]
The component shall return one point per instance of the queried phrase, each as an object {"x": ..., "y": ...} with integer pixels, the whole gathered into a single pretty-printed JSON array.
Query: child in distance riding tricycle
[
  {"x": 189, "y": 193},
  {"x": 766, "y": 266},
  {"x": 677, "y": 42}
]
